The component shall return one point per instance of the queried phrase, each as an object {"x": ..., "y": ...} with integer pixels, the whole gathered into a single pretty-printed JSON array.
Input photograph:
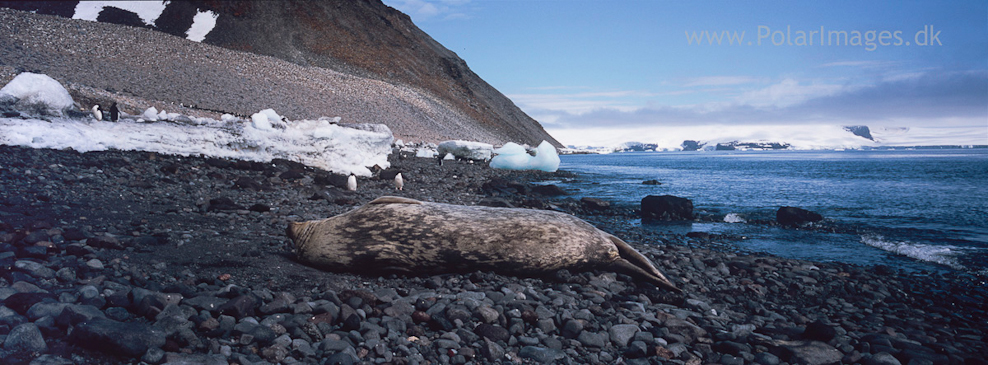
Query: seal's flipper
[
  {"x": 635, "y": 264},
  {"x": 394, "y": 200}
]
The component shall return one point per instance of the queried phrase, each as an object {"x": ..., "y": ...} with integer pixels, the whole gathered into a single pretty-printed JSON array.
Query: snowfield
[{"x": 322, "y": 143}]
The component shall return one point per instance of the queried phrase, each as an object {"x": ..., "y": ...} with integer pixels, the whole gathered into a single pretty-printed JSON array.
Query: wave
[
  {"x": 943, "y": 255},
  {"x": 734, "y": 218}
]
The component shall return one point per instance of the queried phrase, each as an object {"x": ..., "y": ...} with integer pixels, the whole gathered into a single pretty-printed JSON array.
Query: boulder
[
  {"x": 667, "y": 208},
  {"x": 795, "y": 217}
]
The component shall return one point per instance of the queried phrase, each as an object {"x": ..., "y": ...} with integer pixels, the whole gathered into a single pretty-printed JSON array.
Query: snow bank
[
  {"x": 37, "y": 94},
  {"x": 513, "y": 156},
  {"x": 477, "y": 151},
  {"x": 311, "y": 142}
]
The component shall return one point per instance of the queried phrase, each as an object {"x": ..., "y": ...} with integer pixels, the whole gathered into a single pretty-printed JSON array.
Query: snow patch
[
  {"x": 311, "y": 142},
  {"x": 202, "y": 24},
  {"x": 150, "y": 115},
  {"x": 148, "y": 11},
  {"x": 38, "y": 94},
  {"x": 513, "y": 156},
  {"x": 426, "y": 152}
]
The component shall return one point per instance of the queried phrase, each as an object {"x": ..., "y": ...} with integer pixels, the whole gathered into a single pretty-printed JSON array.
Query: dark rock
[
  {"x": 245, "y": 182},
  {"x": 595, "y": 204},
  {"x": 703, "y": 236},
  {"x": 621, "y": 334},
  {"x": 130, "y": 338},
  {"x": 21, "y": 302},
  {"x": 223, "y": 203},
  {"x": 572, "y": 328},
  {"x": 74, "y": 314},
  {"x": 666, "y": 207},
  {"x": 293, "y": 174},
  {"x": 105, "y": 241},
  {"x": 651, "y": 182},
  {"x": 25, "y": 337},
  {"x": 794, "y": 217},
  {"x": 74, "y": 234},
  {"x": 540, "y": 354},
  {"x": 240, "y": 307},
  {"x": 260, "y": 208},
  {"x": 548, "y": 190},
  {"x": 492, "y": 332},
  {"x": 593, "y": 339},
  {"x": 495, "y": 202},
  {"x": 491, "y": 350},
  {"x": 819, "y": 331},
  {"x": 731, "y": 347},
  {"x": 810, "y": 352}
]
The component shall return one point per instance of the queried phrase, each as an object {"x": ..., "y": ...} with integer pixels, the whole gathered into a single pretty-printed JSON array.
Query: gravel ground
[{"x": 127, "y": 257}]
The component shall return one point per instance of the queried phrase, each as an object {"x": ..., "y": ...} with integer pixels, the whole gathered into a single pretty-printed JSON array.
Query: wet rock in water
[
  {"x": 795, "y": 217},
  {"x": 595, "y": 203},
  {"x": 548, "y": 190},
  {"x": 666, "y": 208},
  {"x": 651, "y": 182}
]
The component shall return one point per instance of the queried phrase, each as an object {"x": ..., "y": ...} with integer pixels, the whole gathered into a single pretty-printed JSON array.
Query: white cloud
[{"x": 786, "y": 93}]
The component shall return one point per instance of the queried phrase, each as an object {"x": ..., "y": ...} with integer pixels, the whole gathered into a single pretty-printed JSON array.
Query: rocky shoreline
[{"x": 129, "y": 257}]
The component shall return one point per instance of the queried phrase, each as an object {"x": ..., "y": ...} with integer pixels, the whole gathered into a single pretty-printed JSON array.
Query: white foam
[
  {"x": 733, "y": 218},
  {"x": 943, "y": 255}
]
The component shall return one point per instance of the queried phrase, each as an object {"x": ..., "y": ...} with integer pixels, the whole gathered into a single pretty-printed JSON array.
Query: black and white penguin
[
  {"x": 97, "y": 112},
  {"x": 114, "y": 113},
  {"x": 351, "y": 182},
  {"x": 399, "y": 182}
]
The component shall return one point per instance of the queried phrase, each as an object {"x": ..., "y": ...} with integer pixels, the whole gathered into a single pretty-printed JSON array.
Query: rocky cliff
[{"x": 361, "y": 60}]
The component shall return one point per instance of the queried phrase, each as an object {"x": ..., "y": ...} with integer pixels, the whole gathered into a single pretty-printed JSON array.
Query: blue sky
[{"x": 596, "y": 72}]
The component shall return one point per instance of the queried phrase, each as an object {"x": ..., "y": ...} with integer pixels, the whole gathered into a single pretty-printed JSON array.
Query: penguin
[
  {"x": 114, "y": 112},
  {"x": 399, "y": 182},
  {"x": 97, "y": 112},
  {"x": 351, "y": 182}
]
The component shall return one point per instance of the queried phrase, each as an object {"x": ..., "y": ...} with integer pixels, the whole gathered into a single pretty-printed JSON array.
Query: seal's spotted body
[{"x": 392, "y": 234}]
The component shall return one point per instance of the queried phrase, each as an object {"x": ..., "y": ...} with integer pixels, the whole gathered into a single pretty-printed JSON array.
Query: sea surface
[{"x": 910, "y": 209}]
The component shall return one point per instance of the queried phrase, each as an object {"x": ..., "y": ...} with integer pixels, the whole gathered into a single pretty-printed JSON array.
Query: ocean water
[{"x": 911, "y": 209}]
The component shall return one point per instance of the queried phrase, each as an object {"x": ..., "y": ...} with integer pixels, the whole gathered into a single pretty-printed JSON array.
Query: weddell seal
[{"x": 393, "y": 234}]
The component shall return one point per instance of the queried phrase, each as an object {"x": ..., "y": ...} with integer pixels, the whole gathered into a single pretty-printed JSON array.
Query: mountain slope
[{"x": 365, "y": 40}]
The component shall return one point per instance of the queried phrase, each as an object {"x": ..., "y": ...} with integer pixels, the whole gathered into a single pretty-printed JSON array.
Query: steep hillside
[{"x": 374, "y": 52}]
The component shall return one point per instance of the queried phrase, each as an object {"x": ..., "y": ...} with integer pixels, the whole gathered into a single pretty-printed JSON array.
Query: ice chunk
[
  {"x": 734, "y": 218},
  {"x": 425, "y": 152},
  {"x": 228, "y": 118},
  {"x": 150, "y": 115},
  {"x": 37, "y": 94},
  {"x": 477, "y": 151},
  {"x": 513, "y": 156}
]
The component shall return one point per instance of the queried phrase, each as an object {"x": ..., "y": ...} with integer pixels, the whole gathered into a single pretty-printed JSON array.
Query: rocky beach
[{"x": 137, "y": 257}]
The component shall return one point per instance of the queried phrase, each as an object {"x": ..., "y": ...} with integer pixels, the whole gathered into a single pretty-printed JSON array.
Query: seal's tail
[{"x": 635, "y": 264}]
